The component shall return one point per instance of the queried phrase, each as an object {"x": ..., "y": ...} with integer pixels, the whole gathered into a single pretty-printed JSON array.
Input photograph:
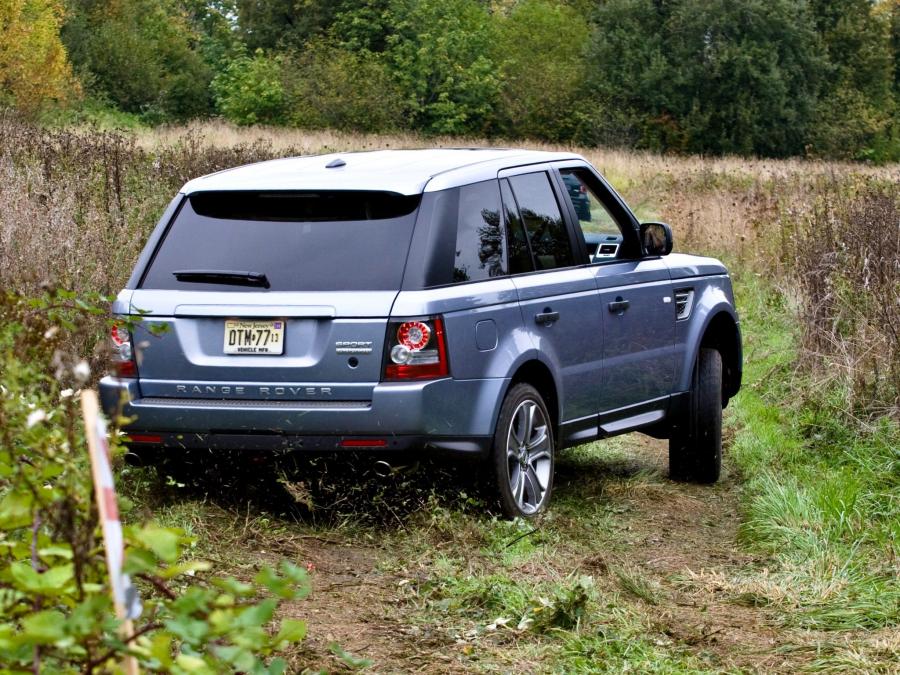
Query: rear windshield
[{"x": 299, "y": 241}]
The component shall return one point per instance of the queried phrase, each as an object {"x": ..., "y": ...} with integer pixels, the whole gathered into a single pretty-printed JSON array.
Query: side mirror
[{"x": 656, "y": 238}]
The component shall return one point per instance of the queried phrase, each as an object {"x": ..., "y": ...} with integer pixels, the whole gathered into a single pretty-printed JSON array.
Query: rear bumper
[{"x": 455, "y": 416}]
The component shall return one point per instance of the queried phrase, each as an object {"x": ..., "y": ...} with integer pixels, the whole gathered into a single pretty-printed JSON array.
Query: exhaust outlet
[{"x": 382, "y": 469}]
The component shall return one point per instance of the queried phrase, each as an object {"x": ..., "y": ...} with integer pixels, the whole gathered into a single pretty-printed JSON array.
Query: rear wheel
[
  {"x": 523, "y": 454},
  {"x": 695, "y": 446}
]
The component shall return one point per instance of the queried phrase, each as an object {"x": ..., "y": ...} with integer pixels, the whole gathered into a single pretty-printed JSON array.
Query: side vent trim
[{"x": 684, "y": 303}]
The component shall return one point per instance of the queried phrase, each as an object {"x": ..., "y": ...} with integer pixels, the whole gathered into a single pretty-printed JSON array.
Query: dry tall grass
[{"x": 77, "y": 205}]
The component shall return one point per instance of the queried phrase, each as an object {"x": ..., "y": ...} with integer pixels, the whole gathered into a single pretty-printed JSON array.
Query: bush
[
  {"x": 540, "y": 49},
  {"x": 55, "y": 608},
  {"x": 250, "y": 91},
  {"x": 331, "y": 88},
  {"x": 846, "y": 258}
]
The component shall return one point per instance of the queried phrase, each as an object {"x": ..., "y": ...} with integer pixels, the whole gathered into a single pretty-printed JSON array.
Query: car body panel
[{"x": 638, "y": 342}]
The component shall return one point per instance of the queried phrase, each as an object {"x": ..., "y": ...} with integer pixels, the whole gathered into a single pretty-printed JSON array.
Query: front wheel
[
  {"x": 695, "y": 446},
  {"x": 523, "y": 454}
]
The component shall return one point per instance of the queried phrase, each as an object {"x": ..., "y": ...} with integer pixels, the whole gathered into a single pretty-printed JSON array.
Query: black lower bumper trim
[{"x": 273, "y": 442}]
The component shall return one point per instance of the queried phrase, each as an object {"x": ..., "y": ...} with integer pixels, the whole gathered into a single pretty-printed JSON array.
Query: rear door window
[
  {"x": 300, "y": 241},
  {"x": 517, "y": 241},
  {"x": 539, "y": 211},
  {"x": 479, "y": 251}
]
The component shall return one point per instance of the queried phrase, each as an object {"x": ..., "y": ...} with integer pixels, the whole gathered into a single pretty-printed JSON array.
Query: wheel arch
[
  {"x": 722, "y": 333},
  {"x": 538, "y": 375}
]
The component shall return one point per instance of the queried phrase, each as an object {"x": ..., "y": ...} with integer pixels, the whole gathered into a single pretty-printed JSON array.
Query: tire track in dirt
[{"x": 682, "y": 537}]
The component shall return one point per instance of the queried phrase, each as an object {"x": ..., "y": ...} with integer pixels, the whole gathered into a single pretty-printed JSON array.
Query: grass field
[{"x": 790, "y": 563}]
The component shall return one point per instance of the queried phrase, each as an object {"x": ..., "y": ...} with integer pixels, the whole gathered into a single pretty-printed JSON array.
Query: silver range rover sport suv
[{"x": 426, "y": 301}]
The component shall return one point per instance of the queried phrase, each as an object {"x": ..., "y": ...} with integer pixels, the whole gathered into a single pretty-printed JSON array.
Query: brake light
[
  {"x": 416, "y": 350},
  {"x": 144, "y": 438},
  {"x": 363, "y": 443},
  {"x": 123, "y": 354}
]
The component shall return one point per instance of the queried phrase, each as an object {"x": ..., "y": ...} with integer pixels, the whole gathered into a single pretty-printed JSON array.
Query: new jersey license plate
[{"x": 254, "y": 337}]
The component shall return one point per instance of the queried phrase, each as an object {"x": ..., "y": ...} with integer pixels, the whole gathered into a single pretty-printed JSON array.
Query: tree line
[{"x": 752, "y": 77}]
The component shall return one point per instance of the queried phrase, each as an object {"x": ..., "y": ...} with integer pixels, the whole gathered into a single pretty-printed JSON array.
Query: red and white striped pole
[{"x": 123, "y": 595}]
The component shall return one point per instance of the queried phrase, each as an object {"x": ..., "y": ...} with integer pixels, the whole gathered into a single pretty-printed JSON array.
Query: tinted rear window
[
  {"x": 479, "y": 239},
  {"x": 301, "y": 241}
]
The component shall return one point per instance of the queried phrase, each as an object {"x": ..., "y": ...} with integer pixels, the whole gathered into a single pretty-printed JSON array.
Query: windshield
[{"x": 297, "y": 241}]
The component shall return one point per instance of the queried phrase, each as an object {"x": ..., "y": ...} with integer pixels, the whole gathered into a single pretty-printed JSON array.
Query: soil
[{"x": 683, "y": 538}]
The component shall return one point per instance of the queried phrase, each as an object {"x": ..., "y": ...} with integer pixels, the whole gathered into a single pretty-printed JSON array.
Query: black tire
[
  {"x": 695, "y": 445},
  {"x": 521, "y": 464}
]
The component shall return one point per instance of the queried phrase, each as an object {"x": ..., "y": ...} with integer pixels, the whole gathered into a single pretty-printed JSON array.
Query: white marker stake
[{"x": 104, "y": 489}]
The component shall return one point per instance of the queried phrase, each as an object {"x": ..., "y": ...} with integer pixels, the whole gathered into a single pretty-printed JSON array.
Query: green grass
[
  {"x": 573, "y": 593},
  {"x": 821, "y": 491}
]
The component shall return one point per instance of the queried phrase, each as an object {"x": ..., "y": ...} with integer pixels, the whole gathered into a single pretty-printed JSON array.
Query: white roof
[{"x": 406, "y": 172}]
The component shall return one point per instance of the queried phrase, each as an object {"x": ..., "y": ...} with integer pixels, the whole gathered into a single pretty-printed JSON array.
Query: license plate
[{"x": 254, "y": 337}]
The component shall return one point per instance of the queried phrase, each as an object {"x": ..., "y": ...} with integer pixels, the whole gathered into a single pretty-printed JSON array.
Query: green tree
[
  {"x": 34, "y": 67},
  {"x": 857, "y": 105},
  {"x": 540, "y": 48},
  {"x": 331, "y": 87},
  {"x": 711, "y": 75},
  {"x": 439, "y": 52},
  {"x": 268, "y": 24},
  {"x": 250, "y": 90},
  {"x": 140, "y": 56}
]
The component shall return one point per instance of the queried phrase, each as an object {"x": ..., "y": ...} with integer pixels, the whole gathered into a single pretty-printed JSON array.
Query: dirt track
[{"x": 681, "y": 539}]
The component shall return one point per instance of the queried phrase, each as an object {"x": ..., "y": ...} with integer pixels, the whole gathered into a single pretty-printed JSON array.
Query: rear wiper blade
[{"x": 231, "y": 277}]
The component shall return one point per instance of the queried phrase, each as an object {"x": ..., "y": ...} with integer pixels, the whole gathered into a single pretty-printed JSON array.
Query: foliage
[
  {"x": 332, "y": 88},
  {"x": 34, "y": 68},
  {"x": 705, "y": 76},
  {"x": 439, "y": 51},
  {"x": 55, "y": 610},
  {"x": 781, "y": 78},
  {"x": 539, "y": 50},
  {"x": 140, "y": 56},
  {"x": 844, "y": 258},
  {"x": 857, "y": 106},
  {"x": 250, "y": 91}
]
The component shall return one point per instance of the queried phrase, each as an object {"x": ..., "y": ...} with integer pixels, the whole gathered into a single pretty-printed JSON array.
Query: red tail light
[
  {"x": 416, "y": 350},
  {"x": 123, "y": 354},
  {"x": 144, "y": 438},
  {"x": 363, "y": 443}
]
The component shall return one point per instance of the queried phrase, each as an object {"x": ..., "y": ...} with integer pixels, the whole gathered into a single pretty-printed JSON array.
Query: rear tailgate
[{"x": 311, "y": 276}]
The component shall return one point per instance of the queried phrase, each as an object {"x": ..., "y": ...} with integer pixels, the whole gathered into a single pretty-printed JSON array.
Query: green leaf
[
  {"x": 161, "y": 649},
  {"x": 193, "y": 664},
  {"x": 348, "y": 659},
  {"x": 61, "y": 551},
  {"x": 88, "y": 615},
  {"x": 257, "y": 615},
  {"x": 292, "y": 630},
  {"x": 51, "y": 582},
  {"x": 138, "y": 560},
  {"x": 15, "y": 510},
  {"x": 192, "y": 631},
  {"x": 185, "y": 567},
  {"x": 239, "y": 657},
  {"x": 44, "y": 627},
  {"x": 163, "y": 541},
  {"x": 234, "y": 587}
]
